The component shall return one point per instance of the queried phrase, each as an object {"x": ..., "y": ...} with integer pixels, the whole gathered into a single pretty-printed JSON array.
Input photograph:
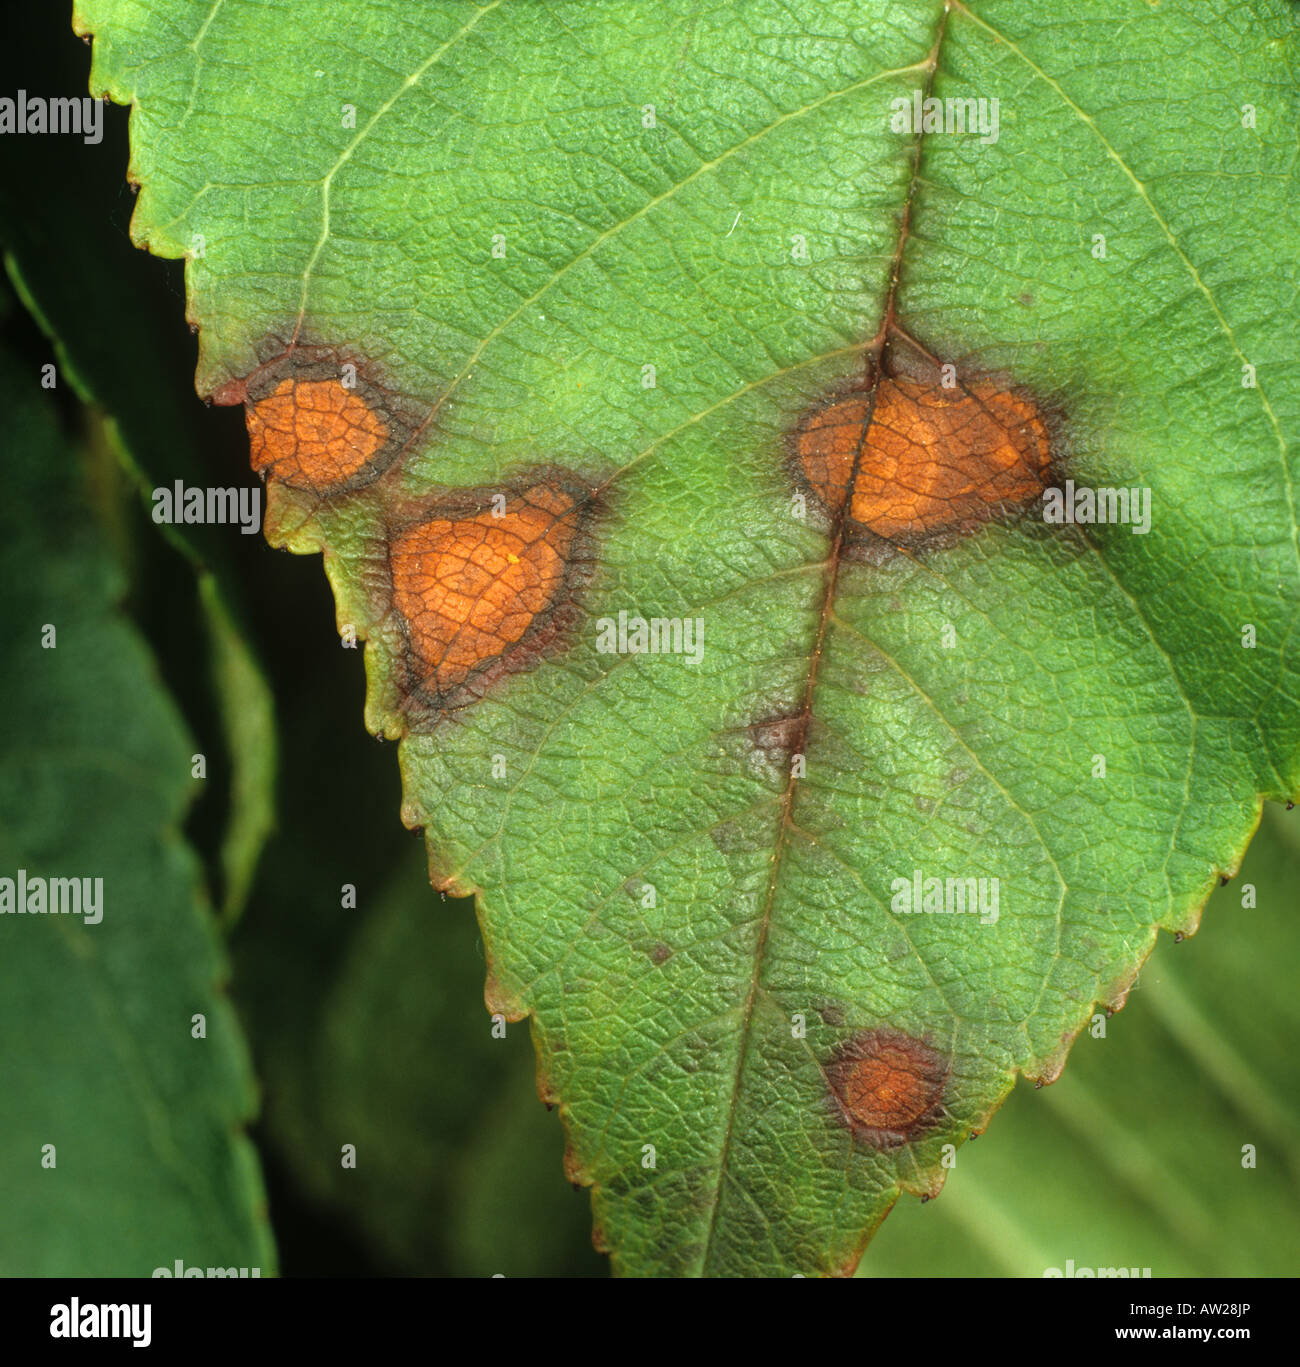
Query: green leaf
[
  {"x": 121, "y": 1149},
  {"x": 88, "y": 303},
  {"x": 512, "y": 219},
  {"x": 248, "y": 722}
]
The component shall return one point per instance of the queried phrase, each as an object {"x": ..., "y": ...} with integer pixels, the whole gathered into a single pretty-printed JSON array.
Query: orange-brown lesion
[
  {"x": 470, "y": 587},
  {"x": 314, "y": 433},
  {"x": 887, "y": 1092},
  {"x": 888, "y": 1086},
  {"x": 923, "y": 459}
]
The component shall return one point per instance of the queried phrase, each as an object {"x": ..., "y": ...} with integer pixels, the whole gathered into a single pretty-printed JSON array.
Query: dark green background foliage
[{"x": 333, "y": 1025}]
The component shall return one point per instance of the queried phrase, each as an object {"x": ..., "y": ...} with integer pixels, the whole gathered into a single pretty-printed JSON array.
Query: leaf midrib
[{"x": 872, "y": 353}]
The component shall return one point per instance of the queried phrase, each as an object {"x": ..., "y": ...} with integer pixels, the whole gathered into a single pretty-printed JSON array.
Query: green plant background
[{"x": 366, "y": 1026}]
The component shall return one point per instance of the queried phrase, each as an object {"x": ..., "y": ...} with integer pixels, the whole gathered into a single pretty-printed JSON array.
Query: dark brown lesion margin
[
  {"x": 797, "y": 725},
  {"x": 317, "y": 360},
  {"x": 422, "y": 706}
]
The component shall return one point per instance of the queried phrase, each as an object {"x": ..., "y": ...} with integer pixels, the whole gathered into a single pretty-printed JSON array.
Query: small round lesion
[
  {"x": 317, "y": 422},
  {"x": 887, "y": 1087},
  {"x": 313, "y": 433}
]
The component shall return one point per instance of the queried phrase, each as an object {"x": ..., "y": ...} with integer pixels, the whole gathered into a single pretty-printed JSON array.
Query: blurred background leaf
[
  {"x": 100, "y": 307},
  {"x": 99, "y": 1059},
  {"x": 373, "y": 1033},
  {"x": 1134, "y": 1157}
]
